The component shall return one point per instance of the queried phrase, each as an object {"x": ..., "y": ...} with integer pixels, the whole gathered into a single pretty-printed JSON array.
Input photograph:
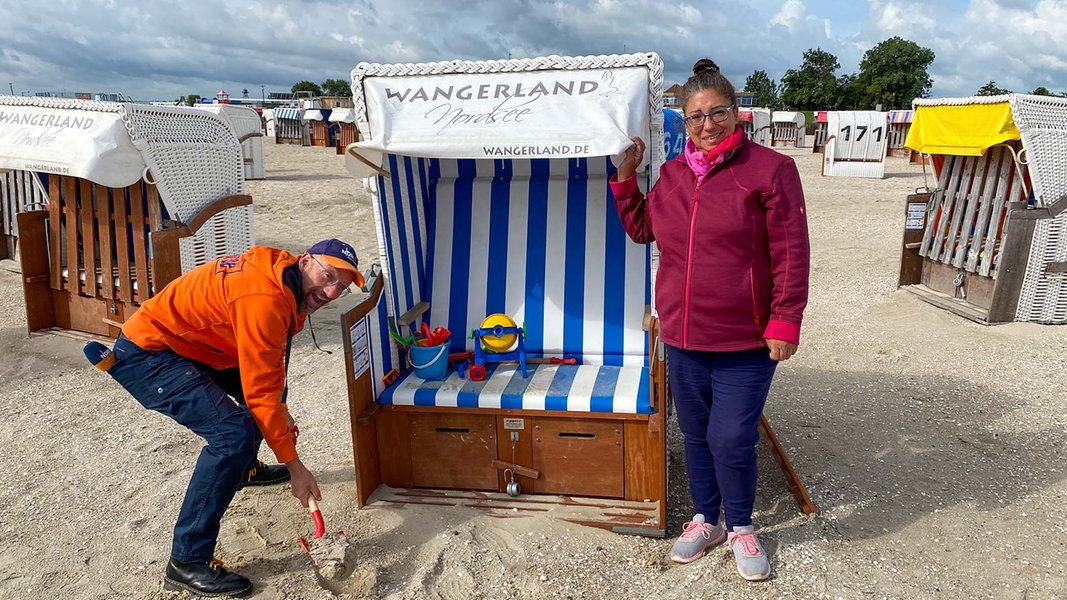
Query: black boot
[
  {"x": 264, "y": 474},
  {"x": 205, "y": 579}
]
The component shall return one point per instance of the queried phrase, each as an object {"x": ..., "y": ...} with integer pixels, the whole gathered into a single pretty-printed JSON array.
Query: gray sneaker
[
  {"x": 751, "y": 558},
  {"x": 696, "y": 537}
]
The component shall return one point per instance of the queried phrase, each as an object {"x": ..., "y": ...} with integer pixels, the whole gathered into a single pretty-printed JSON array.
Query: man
[{"x": 210, "y": 351}]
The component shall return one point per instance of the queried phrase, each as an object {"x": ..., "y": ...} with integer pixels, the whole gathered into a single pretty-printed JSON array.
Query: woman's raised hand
[{"x": 631, "y": 158}]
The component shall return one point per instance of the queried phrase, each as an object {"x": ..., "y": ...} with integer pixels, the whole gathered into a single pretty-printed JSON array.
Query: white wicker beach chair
[
  {"x": 136, "y": 195},
  {"x": 248, "y": 125}
]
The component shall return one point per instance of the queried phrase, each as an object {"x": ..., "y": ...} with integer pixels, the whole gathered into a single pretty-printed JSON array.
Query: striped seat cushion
[{"x": 579, "y": 388}]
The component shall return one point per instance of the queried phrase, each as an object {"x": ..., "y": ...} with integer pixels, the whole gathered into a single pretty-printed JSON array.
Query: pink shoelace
[
  {"x": 747, "y": 541},
  {"x": 692, "y": 529}
]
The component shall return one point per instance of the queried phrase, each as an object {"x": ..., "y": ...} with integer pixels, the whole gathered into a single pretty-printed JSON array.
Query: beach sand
[{"x": 933, "y": 446}]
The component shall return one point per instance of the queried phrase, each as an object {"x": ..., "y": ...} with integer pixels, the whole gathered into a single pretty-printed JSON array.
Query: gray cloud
[{"x": 163, "y": 50}]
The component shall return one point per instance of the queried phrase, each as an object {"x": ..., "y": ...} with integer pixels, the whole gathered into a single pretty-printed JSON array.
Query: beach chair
[
  {"x": 788, "y": 129},
  {"x": 856, "y": 143},
  {"x": 756, "y": 123},
  {"x": 322, "y": 130},
  {"x": 477, "y": 217},
  {"x": 114, "y": 201},
  {"x": 988, "y": 241},
  {"x": 347, "y": 134},
  {"x": 821, "y": 134},
  {"x": 248, "y": 125},
  {"x": 899, "y": 124},
  {"x": 290, "y": 127}
]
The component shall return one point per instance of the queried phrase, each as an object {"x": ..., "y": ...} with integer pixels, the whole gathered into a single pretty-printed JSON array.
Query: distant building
[
  {"x": 670, "y": 96},
  {"x": 337, "y": 102},
  {"x": 746, "y": 98},
  {"x": 98, "y": 96}
]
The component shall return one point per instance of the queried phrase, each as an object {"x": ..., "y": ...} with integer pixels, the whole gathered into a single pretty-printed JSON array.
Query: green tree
[
  {"x": 1041, "y": 91},
  {"x": 191, "y": 99},
  {"x": 307, "y": 86},
  {"x": 892, "y": 74},
  {"x": 846, "y": 93},
  {"x": 991, "y": 89},
  {"x": 336, "y": 87},
  {"x": 813, "y": 86},
  {"x": 764, "y": 89}
]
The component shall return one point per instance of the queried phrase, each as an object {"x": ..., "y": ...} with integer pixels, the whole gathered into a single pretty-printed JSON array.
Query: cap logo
[{"x": 348, "y": 253}]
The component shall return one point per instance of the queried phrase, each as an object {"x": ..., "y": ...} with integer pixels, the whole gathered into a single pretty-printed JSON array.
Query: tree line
[{"x": 891, "y": 75}]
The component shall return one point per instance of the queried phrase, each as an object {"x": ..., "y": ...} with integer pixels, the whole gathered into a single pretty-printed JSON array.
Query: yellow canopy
[{"x": 962, "y": 130}]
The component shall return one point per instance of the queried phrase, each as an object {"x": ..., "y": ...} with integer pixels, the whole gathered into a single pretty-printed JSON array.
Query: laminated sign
[
  {"x": 89, "y": 144},
  {"x": 527, "y": 114}
]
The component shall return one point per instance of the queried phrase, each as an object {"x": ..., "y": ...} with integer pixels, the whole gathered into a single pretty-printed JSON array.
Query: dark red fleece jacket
[{"x": 734, "y": 252}]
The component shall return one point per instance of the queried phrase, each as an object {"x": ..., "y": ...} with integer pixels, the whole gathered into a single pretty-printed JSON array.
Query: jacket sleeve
[
  {"x": 261, "y": 327},
  {"x": 787, "y": 238},
  {"x": 632, "y": 207}
]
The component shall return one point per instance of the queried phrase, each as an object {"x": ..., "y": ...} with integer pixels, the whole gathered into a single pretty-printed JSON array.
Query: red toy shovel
[{"x": 331, "y": 554}]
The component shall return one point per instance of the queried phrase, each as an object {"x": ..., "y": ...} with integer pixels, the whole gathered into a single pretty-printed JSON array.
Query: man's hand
[
  {"x": 781, "y": 350},
  {"x": 294, "y": 430},
  {"x": 303, "y": 482}
]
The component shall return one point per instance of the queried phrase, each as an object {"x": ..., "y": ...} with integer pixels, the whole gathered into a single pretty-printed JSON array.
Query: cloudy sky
[{"x": 163, "y": 49}]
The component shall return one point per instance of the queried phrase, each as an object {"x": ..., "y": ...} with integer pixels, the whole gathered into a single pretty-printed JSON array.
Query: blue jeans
[
  {"x": 719, "y": 397},
  {"x": 211, "y": 405}
]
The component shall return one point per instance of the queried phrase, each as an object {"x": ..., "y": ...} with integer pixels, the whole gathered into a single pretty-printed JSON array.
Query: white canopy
[
  {"x": 194, "y": 156},
  {"x": 243, "y": 119},
  {"x": 90, "y": 144},
  {"x": 785, "y": 116},
  {"x": 313, "y": 114},
  {"x": 343, "y": 115},
  {"x": 584, "y": 106}
]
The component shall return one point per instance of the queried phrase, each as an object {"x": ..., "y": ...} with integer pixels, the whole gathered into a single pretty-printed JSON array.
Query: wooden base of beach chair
[
  {"x": 619, "y": 516},
  {"x": 95, "y": 253},
  {"x": 598, "y": 468},
  {"x": 620, "y": 460}
]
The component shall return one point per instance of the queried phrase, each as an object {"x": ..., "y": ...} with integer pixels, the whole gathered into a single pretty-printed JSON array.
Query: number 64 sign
[{"x": 856, "y": 143}]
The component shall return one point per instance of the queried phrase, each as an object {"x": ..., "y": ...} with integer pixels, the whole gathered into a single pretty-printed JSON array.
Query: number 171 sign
[{"x": 856, "y": 143}]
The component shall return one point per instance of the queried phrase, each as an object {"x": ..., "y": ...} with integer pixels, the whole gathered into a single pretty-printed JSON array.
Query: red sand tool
[{"x": 331, "y": 553}]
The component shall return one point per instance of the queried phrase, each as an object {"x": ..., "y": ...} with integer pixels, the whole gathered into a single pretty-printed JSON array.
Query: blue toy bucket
[{"x": 430, "y": 362}]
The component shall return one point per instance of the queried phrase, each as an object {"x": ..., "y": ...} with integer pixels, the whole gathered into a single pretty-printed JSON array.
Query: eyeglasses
[
  {"x": 331, "y": 277},
  {"x": 719, "y": 115}
]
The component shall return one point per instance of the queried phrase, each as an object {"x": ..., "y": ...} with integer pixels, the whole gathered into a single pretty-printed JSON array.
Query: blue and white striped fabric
[
  {"x": 288, "y": 113},
  {"x": 383, "y": 357},
  {"x": 583, "y": 388},
  {"x": 538, "y": 240}
]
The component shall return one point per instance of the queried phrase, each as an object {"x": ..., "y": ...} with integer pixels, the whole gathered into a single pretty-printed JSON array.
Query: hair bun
[{"x": 705, "y": 65}]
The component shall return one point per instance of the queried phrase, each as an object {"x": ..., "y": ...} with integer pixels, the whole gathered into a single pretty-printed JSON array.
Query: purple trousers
[{"x": 719, "y": 397}]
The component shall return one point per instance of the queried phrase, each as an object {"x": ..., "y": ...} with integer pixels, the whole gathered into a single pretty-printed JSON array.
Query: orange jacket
[{"x": 232, "y": 312}]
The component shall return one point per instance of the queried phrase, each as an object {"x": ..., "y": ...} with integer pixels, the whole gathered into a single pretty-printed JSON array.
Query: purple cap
[{"x": 341, "y": 256}]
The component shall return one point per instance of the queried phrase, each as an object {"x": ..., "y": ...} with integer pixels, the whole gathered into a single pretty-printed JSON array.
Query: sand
[{"x": 934, "y": 447}]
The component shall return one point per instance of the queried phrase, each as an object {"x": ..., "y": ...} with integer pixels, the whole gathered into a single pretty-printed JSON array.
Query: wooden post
[{"x": 780, "y": 457}]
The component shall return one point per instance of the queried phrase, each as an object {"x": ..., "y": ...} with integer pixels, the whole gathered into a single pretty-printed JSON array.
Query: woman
[{"x": 729, "y": 220}]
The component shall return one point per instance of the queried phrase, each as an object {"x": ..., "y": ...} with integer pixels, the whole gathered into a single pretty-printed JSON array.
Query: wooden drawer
[
  {"x": 453, "y": 451},
  {"x": 578, "y": 457}
]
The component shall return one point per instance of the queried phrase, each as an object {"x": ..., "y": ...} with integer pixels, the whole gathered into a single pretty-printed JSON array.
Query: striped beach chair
[
  {"x": 463, "y": 236},
  {"x": 537, "y": 239}
]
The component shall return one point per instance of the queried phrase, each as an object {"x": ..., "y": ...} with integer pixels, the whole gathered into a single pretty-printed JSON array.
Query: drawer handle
[
  {"x": 575, "y": 434},
  {"x": 452, "y": 429}
]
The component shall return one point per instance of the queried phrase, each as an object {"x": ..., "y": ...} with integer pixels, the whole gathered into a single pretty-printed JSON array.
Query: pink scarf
[{"x": 701, "y": 163}]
